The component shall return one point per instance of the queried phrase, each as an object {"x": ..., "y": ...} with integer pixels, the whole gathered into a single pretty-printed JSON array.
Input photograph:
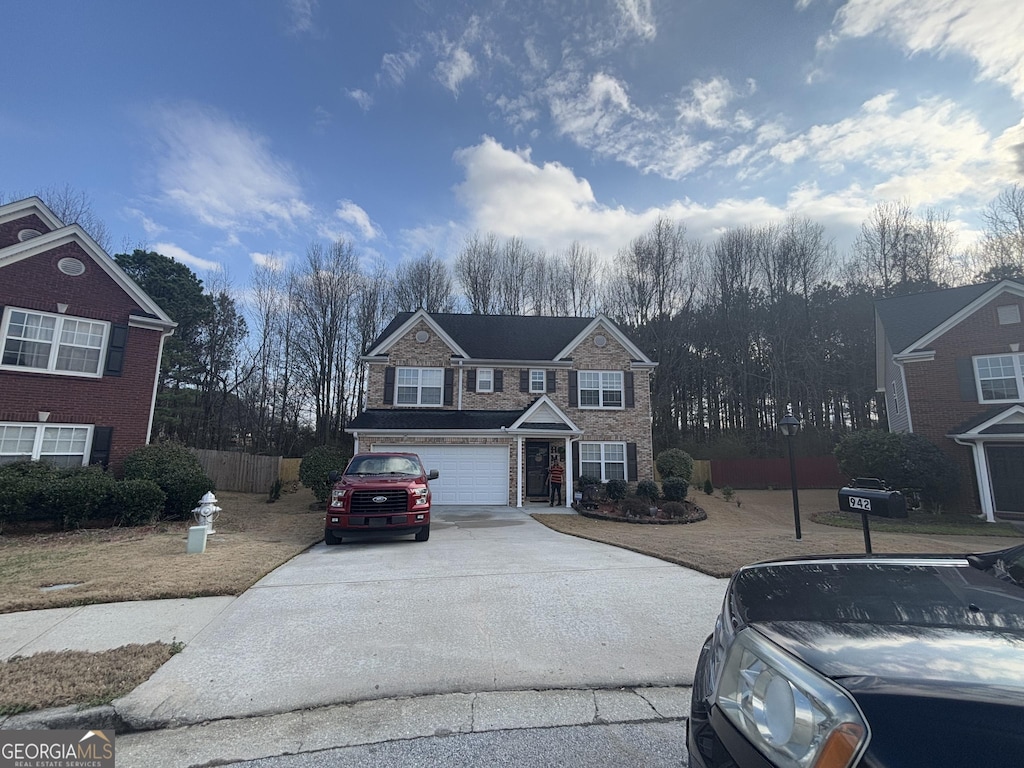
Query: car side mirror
[
  {"x": 333, "y": 475},
  {"x": 433, "y": 475}
]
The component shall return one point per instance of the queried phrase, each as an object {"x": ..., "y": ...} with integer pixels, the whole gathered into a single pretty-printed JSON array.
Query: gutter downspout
[
  {"x": 156, "y": 383},
  {"x": 985, "y": 493}
]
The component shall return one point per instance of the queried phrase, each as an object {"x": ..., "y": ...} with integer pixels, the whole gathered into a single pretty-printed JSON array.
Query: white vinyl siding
[
  {"x": 606, "y": 461},
  {"x": 53, "y": 343},
  {"x": 600, "y": 389},
  {"x": 64, "y": 445},
  {"x": 419, "y": 386}
]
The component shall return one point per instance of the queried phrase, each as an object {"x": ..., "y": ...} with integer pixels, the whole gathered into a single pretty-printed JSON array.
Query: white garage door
[{"x": 468, "y": 474}]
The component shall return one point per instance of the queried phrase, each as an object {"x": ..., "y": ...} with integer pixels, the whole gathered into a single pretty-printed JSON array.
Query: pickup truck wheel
[
  {"x": 424, "y": 533},
  {"x": 330, "y": 537}
]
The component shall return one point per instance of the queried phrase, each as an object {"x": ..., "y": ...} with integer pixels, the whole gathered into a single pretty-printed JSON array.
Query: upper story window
[
  {"x": 600, "y": 389},
  {"x": 1000, "y": 378},
  {"x": 484, "y": 379},
  {"x": 419, "y": 386},
  {"x": 538, "y": 381},
  {"x": 64, "y": 445},
  {"x": 45, "y": 342}
]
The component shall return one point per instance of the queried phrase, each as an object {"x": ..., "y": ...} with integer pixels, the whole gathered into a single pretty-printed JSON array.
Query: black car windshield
[{"x": 383, "y": 465}]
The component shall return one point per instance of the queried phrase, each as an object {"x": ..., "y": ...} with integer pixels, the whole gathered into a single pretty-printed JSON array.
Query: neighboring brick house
[
  {"x": 80, "y": 345},
  {"x": 951, "y": 366},
  {"x": 489, "y": 400}
]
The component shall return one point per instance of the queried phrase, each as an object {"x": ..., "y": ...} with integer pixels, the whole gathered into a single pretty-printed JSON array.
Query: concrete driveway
[{"x": 494, "y": 601}]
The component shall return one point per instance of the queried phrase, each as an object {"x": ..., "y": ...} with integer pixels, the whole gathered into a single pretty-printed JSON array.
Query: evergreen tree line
[{"x": 758, "y": 319}]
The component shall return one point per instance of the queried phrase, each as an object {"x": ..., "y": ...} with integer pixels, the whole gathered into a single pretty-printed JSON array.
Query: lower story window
[
  {"x": 606, "y": 461},
  {"x": 64, "y": 445}
]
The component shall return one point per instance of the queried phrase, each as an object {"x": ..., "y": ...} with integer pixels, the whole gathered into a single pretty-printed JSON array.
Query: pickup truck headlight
[
  {"x": 790, "y": 713},
  {"x": 338, "y": 496},
  {"x": 419, "y": 496}
]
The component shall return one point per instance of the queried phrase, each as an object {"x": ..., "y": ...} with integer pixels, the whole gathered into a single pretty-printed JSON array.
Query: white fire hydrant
[{"x": 206, "y": 512}]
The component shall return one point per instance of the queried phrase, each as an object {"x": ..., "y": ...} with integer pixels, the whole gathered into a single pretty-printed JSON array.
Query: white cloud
[
  {"x": 457, "y": 66},
  {"x": 150, "y": 227},
  {"x": 301, "y": 15},
  {"x": 223, "y": 173},
  {"x": 638, "y": 17},
  {"x": 362, "y": 98},
  {"x": 988, "y": 31},
  {"x": 707, "y": 103},
  {"x": 172, "y": 251},
  {"x": 351, "y": 214},
  {"x": 270, "y": 260},
  {"x": 395, "y": 67}
]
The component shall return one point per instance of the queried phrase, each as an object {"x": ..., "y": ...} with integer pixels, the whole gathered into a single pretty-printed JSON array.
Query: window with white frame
[
  {"x": 484, "y": 379},
  {"x": 64, "y": 445},
  {"x": 600, "y": 389},
  {"x": 606, "y": 461},
  {"x": 538, "y": 381},
  {"x": 56, "y": 343},
  {"x": 1000, "y": 377},
  {"x": 419, "y": 386}
]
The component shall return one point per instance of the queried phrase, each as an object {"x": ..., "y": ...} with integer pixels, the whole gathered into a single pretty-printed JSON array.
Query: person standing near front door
[{"x": 556, "y": 474}]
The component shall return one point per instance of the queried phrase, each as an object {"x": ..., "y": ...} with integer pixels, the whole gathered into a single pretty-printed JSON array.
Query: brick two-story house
[
  {"x": 490, "y": 400},
  {"x": 951, "y": 367},
  {"x": 80, "y": 345}
]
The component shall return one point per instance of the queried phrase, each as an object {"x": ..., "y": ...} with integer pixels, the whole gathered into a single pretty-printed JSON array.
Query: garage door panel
[{"x": 469, "y": 474}]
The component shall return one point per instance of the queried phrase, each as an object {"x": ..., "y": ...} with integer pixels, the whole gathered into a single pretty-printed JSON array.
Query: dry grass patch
[
  {"x": 66, "y": 678},
  {"x": 114, "y": 565},
  {"x": 759, "y": 527}
]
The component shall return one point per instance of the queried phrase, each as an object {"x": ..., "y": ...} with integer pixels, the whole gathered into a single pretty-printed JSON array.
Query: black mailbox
[{"x": 873, "y": 501}]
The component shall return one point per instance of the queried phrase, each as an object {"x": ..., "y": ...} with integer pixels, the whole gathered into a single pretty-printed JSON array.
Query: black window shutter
[
  {"x": 631, "y": 461},
  {"x": 627, "y": 379},
  {"x": 471, "y": 380},
  {"x": 389, "y": 385},
  {"x": 499, "y": 381},
  {"x": 573, "y": 391},
  {"x": 965, "y": 375},
  {"x": 449, "y": 385},
  {"x": 524, "y": 380},
  {"x": 115, "y": 351},
  {"x": 101, "y": 438},
  {"x": 552, "y": 381}
]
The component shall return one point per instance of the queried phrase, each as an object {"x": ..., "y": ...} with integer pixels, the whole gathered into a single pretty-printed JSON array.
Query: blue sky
[{"x": 227, "y": 133}]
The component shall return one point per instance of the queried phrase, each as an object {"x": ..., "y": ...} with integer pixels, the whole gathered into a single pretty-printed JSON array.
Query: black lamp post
[{"x": 790, "y": 425}]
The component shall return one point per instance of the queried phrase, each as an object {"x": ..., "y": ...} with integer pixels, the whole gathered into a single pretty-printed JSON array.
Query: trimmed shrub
[
  {"x": 678, "y": 511},
  {"x": 647, "y": 489},
  {"x": 675, "y": 462},
  {"x": 675, "y": 488},
  {"x": 708, "y": 487},
  {"x": 317, "y": 464},
  {"x": 137, "y": 502},
  {"x": 176, "y": 470},
  {"x": 22, "y": 484},
  {"x": 616, "y": 489},
  {"x": 634, "y": 506},
  {"x": 902, "y": 460},
  {"x": 586, "y": 480},
  {"x": 79, "y": 495}
]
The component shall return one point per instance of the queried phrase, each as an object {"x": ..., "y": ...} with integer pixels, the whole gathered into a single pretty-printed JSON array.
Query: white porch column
[
  {"x": 988, "y": 507},
  {"x": 569, "y": 464},
  {"x": 519, "y": 472}
]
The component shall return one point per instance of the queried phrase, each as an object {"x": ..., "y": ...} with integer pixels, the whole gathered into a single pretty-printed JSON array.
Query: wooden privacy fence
[
  {"x": 242, "y": 472},
  {"x": 811, "y": 472}
]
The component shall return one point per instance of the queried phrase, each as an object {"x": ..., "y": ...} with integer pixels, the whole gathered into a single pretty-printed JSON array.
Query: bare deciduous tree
[
  {"x": 475, "y": 269},
  {"x": 423, "y": 283}
]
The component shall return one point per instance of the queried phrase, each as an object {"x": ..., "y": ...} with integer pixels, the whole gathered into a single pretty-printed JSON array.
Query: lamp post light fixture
[{"x": 790, "y": 425}]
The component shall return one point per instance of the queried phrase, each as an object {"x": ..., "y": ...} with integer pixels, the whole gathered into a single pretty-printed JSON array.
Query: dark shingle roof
[
  {"x": 981, "y": 418},
  {"x": 503, "y": 337},
  {"x": 907, "y": 318},
  {"x": 432, "y": 418}
]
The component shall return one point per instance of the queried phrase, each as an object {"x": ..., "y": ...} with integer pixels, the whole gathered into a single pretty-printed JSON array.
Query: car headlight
[
  {"x": 419, "y": 495},
  {"x": 790, "y": 713},
  {"x": 338, "y": 496}
]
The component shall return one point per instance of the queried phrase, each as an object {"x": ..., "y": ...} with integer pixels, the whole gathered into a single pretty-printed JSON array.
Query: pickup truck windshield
[{"x": 383, "y": 465}]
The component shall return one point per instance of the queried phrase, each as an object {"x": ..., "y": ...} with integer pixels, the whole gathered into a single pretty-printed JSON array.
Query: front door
[
  {"x": 1004, "y": 466},
  {"x": 537, "y": 454}
]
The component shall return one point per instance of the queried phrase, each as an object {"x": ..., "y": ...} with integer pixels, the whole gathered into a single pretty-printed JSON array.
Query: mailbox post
[{"x": 873, "y": 500}]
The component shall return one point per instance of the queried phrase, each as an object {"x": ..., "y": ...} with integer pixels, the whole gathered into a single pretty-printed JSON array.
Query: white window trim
[
  {"x": 543, "y": 383},
  {"x": 604, "y": 461},
  {"x": 601, "y": 390},
  {"x": 55, "y": 344},
  {"x": 1018, "y": 368},
  {"x": 490, "y": 380},
  {"x": 419, "y": 387},
  {"x": 37, "y": 444}
]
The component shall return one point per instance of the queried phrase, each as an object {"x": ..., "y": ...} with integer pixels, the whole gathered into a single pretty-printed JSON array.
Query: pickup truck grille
[{"x": 395, "y": 501}]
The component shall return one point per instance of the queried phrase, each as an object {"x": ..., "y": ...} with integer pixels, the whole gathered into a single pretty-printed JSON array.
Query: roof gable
[
  {"x": 504, "y": 337},
  {"x": 20, "y": 209}
]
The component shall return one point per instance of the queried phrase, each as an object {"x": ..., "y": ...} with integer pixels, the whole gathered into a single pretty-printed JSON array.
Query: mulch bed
[{"x": 609, "y": 511}]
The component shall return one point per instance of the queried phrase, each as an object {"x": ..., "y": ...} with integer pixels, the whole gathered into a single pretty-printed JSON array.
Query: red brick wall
[
  {"x": 9, "y": 230},
  {"x": 934, "y": 390},
  {"x": 122, "y": 402}
]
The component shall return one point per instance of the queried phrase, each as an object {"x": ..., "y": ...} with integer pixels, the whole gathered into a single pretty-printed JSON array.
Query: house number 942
[{"x": 856, "y": 502}]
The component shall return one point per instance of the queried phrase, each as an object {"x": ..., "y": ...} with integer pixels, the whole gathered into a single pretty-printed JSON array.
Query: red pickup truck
[{"x": 379, "y": 494}]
